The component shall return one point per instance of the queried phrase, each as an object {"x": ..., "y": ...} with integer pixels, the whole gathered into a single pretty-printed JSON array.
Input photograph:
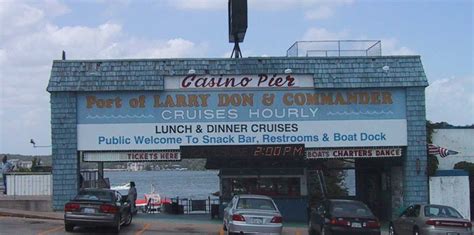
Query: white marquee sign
[
  {"x": 138, "y": 156},
  {"x": 354, "y": 153},
  {"x": 194, "y": 81}
]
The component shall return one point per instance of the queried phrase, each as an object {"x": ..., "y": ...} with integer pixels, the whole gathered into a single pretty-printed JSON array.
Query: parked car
[
  {"x": 335, "y": 216},
  {"x": 430, "y": 219},
  {"x": 97, "y": 207},
  {"x": 252, "y": 214}
]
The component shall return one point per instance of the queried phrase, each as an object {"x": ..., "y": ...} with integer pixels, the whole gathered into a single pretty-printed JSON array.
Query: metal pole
[
  {"x": 100, "y": 168},
  {"x": 339, "y": 47}
]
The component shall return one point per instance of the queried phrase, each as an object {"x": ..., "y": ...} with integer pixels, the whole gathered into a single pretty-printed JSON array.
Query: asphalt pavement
[{"x": 43, "y": 223}]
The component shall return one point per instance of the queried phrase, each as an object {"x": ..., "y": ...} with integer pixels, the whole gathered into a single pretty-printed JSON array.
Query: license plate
[
  {"x": 452, "y": 233},
  {"x": 89, "y": 210},
  {"x": 356, "y": 225},
  {"x": 257, "y": 221}
]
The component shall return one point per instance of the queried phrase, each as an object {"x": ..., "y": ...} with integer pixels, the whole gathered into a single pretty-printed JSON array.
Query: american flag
[{"x": 435, "y": 150}]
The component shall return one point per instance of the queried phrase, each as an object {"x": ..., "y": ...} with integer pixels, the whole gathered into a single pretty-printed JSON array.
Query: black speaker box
[{"x": 237, "y": 20}]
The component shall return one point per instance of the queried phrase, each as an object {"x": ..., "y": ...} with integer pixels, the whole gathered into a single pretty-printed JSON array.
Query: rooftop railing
[{"x": 335, "y": 48}]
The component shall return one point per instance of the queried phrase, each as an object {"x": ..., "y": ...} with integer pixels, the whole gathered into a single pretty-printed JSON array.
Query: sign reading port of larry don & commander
[
  {"x": 288, "y": 151},
  {"x": 167, "y": 120}
]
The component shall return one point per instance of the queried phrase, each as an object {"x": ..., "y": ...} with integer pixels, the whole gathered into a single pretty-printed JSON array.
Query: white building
[
  {"x": 449, "y": 180},
  {"x": 135, "y": 166},
  {"x": 458, "y": 139}
]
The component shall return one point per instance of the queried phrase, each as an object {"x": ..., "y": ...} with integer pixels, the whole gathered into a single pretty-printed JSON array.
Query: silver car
[
  {"x": 430, "y": 219},
  {"x": 252, "y": 214}
]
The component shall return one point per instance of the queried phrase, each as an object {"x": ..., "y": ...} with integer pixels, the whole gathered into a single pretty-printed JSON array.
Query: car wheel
[
  {"x": 116, "y": 228},
  {"x": 128, "y": 220},
  {"x": 323, "y": 230},
  {"x": 311, "y": 231},
  {"x": 69, "y": 227},
  {"x": 391, "y": 230},
  {"x": 416, "y": 231}
]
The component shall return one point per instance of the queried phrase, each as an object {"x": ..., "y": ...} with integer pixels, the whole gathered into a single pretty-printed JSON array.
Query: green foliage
[
  {"x": 467, "y": 166},
  {"x": 34, "y": 162},
  {"x": 334, "y": 179},
  {"x": 433, "y": 162},
  {"x": 23, "y": 170}
]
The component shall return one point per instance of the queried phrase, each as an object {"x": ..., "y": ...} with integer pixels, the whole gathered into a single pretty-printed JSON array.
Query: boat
[
  {"x": 122, "y": 188},
  {"x": 150, "y": 202}
]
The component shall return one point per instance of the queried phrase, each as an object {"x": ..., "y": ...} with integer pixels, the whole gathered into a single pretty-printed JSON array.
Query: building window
[{"x": 270, "y": 186}]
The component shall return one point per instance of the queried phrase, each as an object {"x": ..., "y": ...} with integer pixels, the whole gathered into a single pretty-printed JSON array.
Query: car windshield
[
  {"x": 255, "y": 203},
  {"x": 350, "y": 209},
  {"x": 442, "y": 211},
  {"x": 94, "y": 195}
]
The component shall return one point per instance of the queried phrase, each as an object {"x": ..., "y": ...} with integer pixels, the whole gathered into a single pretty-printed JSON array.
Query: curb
[{"x": 26, "y": 215}]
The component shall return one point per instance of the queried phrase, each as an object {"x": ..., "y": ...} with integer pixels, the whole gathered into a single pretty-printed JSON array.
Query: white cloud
[
  {"x": 199, "y": 4},
  {"x": 292, "y": 4},
  {"x": 451, "y": 100},
  {"x": 390, "y": 46},
  {"x": 54, "y": 7},
  {"x": 16, "y": 17},
  {"x": 322, "y": 12},
  {"x": 318, "y": 34},
  {"x": 315, "y": 9},
  {"x": 31, "y": 41}
]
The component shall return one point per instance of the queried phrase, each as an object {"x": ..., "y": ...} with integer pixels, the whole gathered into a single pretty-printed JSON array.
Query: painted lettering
[{"x": 92, "y": 101}]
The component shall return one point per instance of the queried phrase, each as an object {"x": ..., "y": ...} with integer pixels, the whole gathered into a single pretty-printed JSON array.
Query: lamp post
[{"x": 39, "y": 146}]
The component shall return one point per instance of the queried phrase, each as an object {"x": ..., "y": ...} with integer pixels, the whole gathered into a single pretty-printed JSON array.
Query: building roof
[{"x": 148, "y": 74}]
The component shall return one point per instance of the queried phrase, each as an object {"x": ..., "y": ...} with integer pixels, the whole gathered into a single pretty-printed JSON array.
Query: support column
[
  {"x": 415, "y": 179},
  {"x": 64, "y": 148}
]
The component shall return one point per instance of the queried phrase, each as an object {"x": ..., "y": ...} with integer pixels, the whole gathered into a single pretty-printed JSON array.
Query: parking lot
[{"x": 16, "y": 225}]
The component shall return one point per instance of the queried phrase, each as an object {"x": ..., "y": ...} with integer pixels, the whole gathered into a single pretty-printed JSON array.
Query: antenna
[{"x": 237, "y": 25}]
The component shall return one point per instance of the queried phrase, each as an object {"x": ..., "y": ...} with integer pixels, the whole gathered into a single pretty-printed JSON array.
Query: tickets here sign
[{"x": 138, "y": 156}]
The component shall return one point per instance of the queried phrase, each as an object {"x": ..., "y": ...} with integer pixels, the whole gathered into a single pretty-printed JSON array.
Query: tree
[
  {"x": 433, "y": 162},
  {"x": 467, "y": 166}
]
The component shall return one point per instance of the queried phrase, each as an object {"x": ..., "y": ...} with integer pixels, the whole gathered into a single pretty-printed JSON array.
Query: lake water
[{"x": 183, "y": 184}]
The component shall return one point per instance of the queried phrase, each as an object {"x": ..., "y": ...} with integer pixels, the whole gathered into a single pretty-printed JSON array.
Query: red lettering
[
  {"x": 185, "y": 82},
  {"x": 214, "y": 82},
  {"x": 275, "y": 81}
]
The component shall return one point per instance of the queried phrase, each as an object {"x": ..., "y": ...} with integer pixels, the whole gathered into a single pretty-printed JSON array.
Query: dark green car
[
  {"x": 97, "y": 207},
  {"x": 342, "y": 217}
]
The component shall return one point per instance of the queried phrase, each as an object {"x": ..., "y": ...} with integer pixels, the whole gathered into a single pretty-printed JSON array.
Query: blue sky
[{"x": 33, "y": 33}]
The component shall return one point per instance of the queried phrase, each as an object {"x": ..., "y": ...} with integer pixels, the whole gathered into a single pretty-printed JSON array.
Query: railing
[
  {"x": 192, "y": 206},
  {"x": 29, "y": 184},
  {"x": 335, "y": 48},
  {"x": 91, "y": 179}
]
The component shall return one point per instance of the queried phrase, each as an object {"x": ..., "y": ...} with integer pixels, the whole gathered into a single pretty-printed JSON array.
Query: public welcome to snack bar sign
[{"x": 257, "y": 109}]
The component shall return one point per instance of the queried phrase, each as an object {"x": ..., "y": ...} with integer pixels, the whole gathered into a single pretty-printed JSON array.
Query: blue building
[{"x": 267, "y": 123}]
